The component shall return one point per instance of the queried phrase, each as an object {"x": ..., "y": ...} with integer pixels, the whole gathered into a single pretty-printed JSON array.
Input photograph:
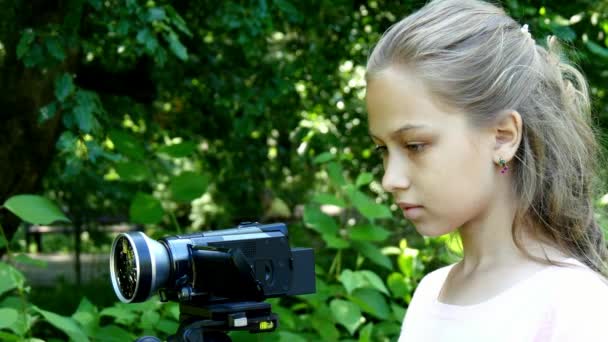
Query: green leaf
[
  {"x": 398, "y": 312},
  {"x": 65, "y": 324},
  {"x": 407, "y": 262},
  {"x": 86, "y": 106},
  {"x": 127, "y": 144},
  {"x": 346, "y": 313},
  {"x": 319, "y": 221},
  {"x": 148, "y": 40},
  {"x": 398, "y": 285},
  {"x": 47, "y": 112},
  {"x": 364, "y": 179},
  {"x": 372, "y": 302},
  {"x": 8, "y": 337},
  {"x": 35, "y": 56},
  {"x": 334, "y": 170},
  {"x": 597, "y": 49},
  {"x": 113, "y": 333},
  {"x": 149, "y": 319},
  {"x": 87, "y": 316},
  {"x": 368, "y": 232},
  {"x": 178, "y": 150},
  {"x": 8, "y": 317},
  {"x": 121, "y": 315},
  {"x": 286, "y": 336},
  {"x": 27, "y": 260},
  {"x": 323, "y": 158},
  {"x": 64, "y": 86},
  {"x": 156, "y": 14},
  {"x": 177, "y": 20},
  {"x": 360, "y": 279},
  {"x": 170, "y": 327},
  {"x": 375, "y": 281},
  {"x": 328, "y": 199},
  {"x": 188, "y": 186},
  {"x": 366, "y": 206},
  {"x": 146, "y": 209},
  {"x": 54, "y": 48},
  {"x": 352, "y": 280},
  {"x": 176, "y": 46},
  {"x": 35, "y": 209},
  {"x": 386, "y": 330},
  {"x": 27, "y": 37},
  {"x": 323, "y": 322},
  {"x": 132, "y": 171},
  {"x": 335, "y": 242},
  {"x": 365, "y": 334},
  {"x": 565, "y": 33},
  {"x": 373, "y": 253},
  {"x": 24, "y": 321}
]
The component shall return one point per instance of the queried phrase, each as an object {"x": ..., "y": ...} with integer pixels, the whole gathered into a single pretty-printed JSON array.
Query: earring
[{"x": 503, "y": 164}]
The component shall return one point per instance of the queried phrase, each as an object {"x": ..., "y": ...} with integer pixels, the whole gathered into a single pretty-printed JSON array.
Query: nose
[{"x": 395, "y": 175}]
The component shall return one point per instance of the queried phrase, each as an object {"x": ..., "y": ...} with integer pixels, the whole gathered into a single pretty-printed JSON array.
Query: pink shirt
[{"x": 556, "y": 304}]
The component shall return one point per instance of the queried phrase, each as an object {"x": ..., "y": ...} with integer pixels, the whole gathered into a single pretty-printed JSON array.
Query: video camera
[{"x": 220, "y": 278}]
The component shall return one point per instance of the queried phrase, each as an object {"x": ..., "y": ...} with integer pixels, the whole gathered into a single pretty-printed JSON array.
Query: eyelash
[{"x": 383, "y": 149}]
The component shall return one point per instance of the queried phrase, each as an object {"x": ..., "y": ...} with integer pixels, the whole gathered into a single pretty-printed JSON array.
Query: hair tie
[{"x": 525, "y": 29}]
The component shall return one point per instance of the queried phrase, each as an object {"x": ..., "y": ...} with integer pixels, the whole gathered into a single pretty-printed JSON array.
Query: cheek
[{"x": 463, "y": 181}]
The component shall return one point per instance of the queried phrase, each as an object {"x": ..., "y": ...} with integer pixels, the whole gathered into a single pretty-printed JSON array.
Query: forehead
[{"x": 397, "y": 98}]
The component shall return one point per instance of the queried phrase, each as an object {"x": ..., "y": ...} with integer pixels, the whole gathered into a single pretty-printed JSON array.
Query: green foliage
[
  {"x": 253, "y": 104},
  {"x": 34, "y": 209}
]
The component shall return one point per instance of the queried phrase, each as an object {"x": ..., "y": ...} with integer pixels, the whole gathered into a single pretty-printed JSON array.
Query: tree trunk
[{"x": 26, "y": 148}]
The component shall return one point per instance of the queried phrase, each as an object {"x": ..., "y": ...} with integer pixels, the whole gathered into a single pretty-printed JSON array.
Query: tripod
[{"x": 210, "y": 323}]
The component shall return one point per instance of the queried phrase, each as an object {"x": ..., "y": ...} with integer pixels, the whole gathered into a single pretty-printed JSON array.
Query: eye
[
  {"x": 416, "y": 148},
  {"x": 381, "y": 150}
]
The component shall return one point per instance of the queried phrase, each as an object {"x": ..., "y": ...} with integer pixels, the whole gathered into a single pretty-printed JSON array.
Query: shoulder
[
  {"x": 579, "y": 301},
  {"x": 578, "y": 279},
  {"x": 434, "y": 279}
]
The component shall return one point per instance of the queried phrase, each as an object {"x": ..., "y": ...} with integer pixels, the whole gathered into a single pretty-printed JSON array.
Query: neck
[{"x": 488, "y": 241}]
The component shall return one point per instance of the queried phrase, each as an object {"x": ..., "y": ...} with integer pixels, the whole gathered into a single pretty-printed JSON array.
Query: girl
[{"x": 486, "y": 133}]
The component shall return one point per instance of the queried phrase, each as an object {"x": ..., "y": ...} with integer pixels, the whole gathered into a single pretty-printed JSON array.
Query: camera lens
[
  {"x": 126, "y": 267},
  {"x": 138, "y": 266}
]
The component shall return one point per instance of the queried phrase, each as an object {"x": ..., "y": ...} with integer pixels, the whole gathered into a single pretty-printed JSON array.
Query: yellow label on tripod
[{"x": 266, "y": 325}]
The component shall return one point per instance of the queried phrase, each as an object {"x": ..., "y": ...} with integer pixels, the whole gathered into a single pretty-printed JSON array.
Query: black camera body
[{"x": 220, "y": 278}]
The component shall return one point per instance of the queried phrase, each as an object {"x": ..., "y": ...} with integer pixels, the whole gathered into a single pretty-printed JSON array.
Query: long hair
[{"x": 473, "y": 56}]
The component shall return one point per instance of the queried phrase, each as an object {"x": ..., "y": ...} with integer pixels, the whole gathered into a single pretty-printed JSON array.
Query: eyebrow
[{"x": 402, "y": 129}]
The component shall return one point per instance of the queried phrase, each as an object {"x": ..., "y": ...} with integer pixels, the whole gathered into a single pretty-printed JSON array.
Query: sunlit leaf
[
  {"x": 8, "y": 317},
  {"x": 35, "y": 209},
  {"x": 372, "y": 302},
  {"x": 176, "y": 46},
  {"x": 65, "y": 324},
  {"x": 368, "y": 232},
  {"x": 319, "y": 221},
  {"x": 373, "y": 253},
  {"x": 27, "y": 260},
  {"x": 346, "y": 313}
]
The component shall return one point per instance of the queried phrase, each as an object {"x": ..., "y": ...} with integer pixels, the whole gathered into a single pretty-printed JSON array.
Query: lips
[
  {"x": 405, "y": 205},
  {"x": 411, "y": 211}
]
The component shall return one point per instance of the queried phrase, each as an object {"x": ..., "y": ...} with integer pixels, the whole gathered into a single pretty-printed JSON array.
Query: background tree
[{"x": 196, "y": 114}]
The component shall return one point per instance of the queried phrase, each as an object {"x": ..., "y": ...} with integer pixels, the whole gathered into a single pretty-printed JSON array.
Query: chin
[{"x": 432, "y": 231}]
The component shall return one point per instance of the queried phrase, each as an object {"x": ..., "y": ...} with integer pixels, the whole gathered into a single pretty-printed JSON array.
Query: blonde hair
[{"x": 475, "y": 57}]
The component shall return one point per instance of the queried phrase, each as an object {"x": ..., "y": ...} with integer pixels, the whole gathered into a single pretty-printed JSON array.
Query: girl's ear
[{"x": 507, "y": 132}]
